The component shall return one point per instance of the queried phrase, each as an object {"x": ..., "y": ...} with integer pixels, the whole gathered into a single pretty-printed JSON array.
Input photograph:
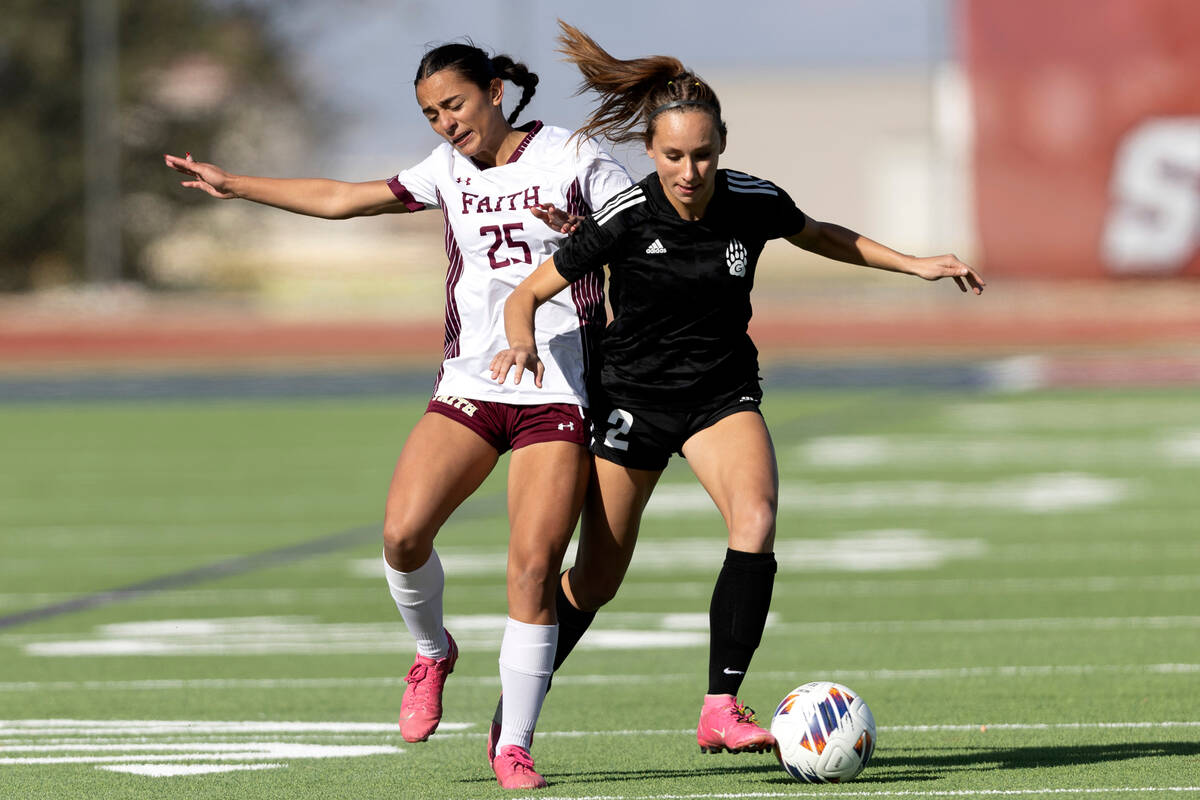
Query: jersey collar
[
  {"x": 658, "y": 196},
  {"x": 531, "y": 129}
]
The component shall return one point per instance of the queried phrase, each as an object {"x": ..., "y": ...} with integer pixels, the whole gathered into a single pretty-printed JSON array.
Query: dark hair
[
  {"x": 480, "y": 69},
  {"x": 634, "y": 92}
]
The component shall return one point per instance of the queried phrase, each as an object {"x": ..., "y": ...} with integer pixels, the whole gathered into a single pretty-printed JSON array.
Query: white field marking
[
  {"x": 1183, "y": 447},
  {"x": 1073, "y": 415},
  {"x": 1157, "y": 551},
  {"x": 280, "y": 596},
  {"x": 1033, "y": 494},
  {"x": 853, "y": 551},
  {"x": 916, "y": 587},
  {"x": 1040, "y": 726},
  {"x": 165, "y": 748},
  {"x": 175, "y": 770},
  {"x": 968, "y": 727},
  {"x": 301, "y": 636},
  {"x": 116, "y": 730},
  {"x": 213, "y": 751},
  {"x": 239, "y": 684},
  {"x": 633, "y": 587},
  {"x": 189, "y": 727},
  {"x": 992, "y": 625},
  {"x": 850, "y": 452}
]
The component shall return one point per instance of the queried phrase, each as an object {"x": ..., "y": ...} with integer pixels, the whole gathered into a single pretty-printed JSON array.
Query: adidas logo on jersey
[{"x": 656, "y": 247}]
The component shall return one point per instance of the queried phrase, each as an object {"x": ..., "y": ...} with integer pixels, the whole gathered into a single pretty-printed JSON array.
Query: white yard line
[
  {"x": 223, "y": 684},
  {"x": 168, "y": 748},
  {"x": 873, "y": 587},
  {"x": 301, "y": 636}
]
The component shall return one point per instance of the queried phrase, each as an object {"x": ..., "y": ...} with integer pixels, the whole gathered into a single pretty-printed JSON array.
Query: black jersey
[{"x": 680, "y": 289}]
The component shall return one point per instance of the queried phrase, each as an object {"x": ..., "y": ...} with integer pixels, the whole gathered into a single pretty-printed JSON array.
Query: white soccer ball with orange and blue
[{"x": 824, "y": 733}]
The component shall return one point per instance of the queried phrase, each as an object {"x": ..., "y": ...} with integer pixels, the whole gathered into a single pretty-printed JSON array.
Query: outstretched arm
[
  {"x": 842, "y": 244},
  {"x": 542, "y": 284},
  {"x": 316, "y": 197}
]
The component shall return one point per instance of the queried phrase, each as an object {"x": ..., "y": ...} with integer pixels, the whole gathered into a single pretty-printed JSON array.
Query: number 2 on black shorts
[{"x": 621, "y": 421}]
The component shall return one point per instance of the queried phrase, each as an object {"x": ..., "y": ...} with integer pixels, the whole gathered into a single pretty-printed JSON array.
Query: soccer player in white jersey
[
  {"x": 486, "y": 178},
  {"x": 680, "y": 372}
]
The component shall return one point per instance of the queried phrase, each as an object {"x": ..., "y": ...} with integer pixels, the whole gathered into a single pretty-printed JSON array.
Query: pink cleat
[
  {"x": 726, "y": 724},
  {"x": 421, "y": 706},
  {"x": 494, "y": 730},
  {"x": 493, "y": 737},
  {"x": 514, "y": 769}
]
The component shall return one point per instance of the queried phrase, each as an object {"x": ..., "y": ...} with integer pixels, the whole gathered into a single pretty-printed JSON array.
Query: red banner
[{"x": 1087, "y": 148}]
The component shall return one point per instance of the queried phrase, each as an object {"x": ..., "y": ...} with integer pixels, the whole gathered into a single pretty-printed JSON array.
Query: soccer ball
[{"x": 824, "y": 733}]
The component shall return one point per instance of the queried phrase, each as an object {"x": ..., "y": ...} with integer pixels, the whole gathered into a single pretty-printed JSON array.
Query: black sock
[
  {"x": 737, "y": 616},
  {"x": 572, "y": 624}
]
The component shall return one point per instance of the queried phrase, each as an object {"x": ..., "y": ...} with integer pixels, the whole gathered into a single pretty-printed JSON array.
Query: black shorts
[{"x": 646, "y": 438}]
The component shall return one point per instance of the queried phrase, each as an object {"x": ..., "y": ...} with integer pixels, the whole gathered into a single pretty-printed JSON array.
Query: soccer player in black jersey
[{"x": 679, "y": 372}]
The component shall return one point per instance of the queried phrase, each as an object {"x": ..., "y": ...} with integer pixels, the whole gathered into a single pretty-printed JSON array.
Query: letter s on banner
[{"x": 1153, "y": 223}]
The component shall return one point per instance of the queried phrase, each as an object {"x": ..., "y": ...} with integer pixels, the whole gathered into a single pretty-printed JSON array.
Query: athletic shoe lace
[
  {"x": 422, "y": 690},
  {"x": 521, "y": 759},
  {"x": 743, "y": 713}
]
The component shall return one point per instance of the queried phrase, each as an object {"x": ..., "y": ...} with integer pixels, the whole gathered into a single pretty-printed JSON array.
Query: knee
[
  {"x": 592, "y": 589},
  {"x": 533, "y": 577},
  {"x": 753, "y": 526},
  {"x": 406, "y": 546}
]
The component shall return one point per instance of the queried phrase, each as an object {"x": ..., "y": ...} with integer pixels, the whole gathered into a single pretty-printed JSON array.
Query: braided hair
[{"x": 480, "y": 69}]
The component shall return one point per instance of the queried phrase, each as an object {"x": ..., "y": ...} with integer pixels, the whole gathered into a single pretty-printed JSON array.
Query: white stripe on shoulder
[
  {"x": 754, "y": 190},
  {"x": 742, "y": 183},
  {"x": 627, "y": 199},
  {"x": 742, "y": 177}
]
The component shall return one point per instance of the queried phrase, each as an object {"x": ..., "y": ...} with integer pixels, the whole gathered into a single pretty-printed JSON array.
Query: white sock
[
  {"x": 526, "y": 664},
  {"x": 418, "y": 595}
]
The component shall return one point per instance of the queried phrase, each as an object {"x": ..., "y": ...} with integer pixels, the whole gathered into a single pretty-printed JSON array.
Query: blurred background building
[{"x": 1044, "y": 141}]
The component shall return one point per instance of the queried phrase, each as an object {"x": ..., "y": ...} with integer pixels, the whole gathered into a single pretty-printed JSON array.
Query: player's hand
[
  {"x": 205, "y": 177},
  {"x": 948, "y": 266},
  {"x": 523, "y": 358},
  {"x": 556, "y": 218}
]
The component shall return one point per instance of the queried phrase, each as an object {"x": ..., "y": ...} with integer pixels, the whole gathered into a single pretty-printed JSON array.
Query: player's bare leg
[
  {"x": 608, "y": 533},
  {"x": 546, "y": 485},
  {"x": 612, "y": 514},
  {"x": 441, "y": 464},
  {"x": 735, "y": 462}
]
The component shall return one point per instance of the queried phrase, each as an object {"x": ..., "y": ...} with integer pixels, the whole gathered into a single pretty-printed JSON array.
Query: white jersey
[{"x": 494, "y": 242}]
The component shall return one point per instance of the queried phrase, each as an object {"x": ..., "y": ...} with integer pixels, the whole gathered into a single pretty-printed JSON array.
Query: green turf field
[{"x": 1010, "y": 581}]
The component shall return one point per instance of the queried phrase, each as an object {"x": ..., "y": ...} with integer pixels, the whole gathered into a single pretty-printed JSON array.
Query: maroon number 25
[{"x": 504, "y": 236}]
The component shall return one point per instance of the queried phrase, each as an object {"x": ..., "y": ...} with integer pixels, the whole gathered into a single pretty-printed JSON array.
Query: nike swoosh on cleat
[{"x": 729, "y": 671}]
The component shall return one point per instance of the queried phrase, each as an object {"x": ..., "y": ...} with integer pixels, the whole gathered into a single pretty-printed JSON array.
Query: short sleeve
[
  {"x": 587, "y": 249},
  {"x": 785, "y": 219},
  {"x": 416, "y": 186},
  {"x": 602, "y": 176}
]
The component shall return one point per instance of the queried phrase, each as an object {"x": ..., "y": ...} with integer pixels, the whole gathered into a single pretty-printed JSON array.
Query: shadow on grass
[
  {"x": 1041, "y": 756},
  {"x": 930, "y": 766}
]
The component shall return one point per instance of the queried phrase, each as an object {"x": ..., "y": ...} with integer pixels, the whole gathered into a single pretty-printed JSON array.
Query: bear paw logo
[{"x": 735, "y": 257}]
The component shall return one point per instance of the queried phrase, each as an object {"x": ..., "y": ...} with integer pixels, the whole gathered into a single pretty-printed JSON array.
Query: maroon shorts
[{"x": 510, "y": 427}]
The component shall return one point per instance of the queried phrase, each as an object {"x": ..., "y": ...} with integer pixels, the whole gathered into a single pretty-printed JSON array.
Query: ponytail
[
  {"x": 476, "y": 66},
  {"x": 519, "y": 75},
  {"x": 632, "y": 93}
]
